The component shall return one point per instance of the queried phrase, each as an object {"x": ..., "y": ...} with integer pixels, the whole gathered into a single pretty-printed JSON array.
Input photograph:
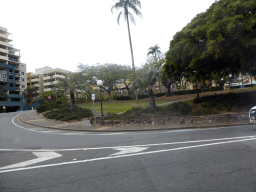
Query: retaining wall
[{"x": 231, "y": 117}]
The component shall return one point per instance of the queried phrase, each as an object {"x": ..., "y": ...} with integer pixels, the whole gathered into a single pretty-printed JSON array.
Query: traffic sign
[{"x": 93, "y": 97}]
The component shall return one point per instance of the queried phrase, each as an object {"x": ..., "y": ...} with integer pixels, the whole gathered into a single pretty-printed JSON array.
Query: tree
[
  {"x": 109, "y": 73},
  {"x": 2, "y": 92},
  {"x": 126, "y": 5},
  {"x": 214, "y": 43},
  {"x": 72, "y": 83},
  {"x": 126, "y": 77},
  {"x": 147, "y": 78},
  {"x": 30, "y": 93},
  {"x": 154, "y": 51}
]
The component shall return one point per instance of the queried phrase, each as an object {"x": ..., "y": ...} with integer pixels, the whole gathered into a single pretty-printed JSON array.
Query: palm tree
[
  {"x": 72, "y": 83},
  {"x": 155, "y": 50},
  {"x": 125, "y": 5}
]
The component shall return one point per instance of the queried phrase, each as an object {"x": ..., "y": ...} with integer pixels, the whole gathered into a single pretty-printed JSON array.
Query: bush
[
  {"x": 203, "y": 111},
  {"x": 45, "y": 107},
  {"x": 142, "y": 96},
  {"x": 2, "y": 110},
  {"x": 160, "y": 94},
  {"x": 64, "y": 114},
  {"x": 123, "y": 97},
  {"x": 180, "y": 108}
]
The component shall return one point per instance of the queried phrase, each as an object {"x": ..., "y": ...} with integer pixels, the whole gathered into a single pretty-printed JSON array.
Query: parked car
[{"x": 252, "y": 115}]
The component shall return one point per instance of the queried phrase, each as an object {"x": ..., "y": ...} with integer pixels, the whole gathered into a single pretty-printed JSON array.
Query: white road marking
[
  {"x": 126, "y": 150},
  {"x": 42, "y": 156},
  {"x": 119, "y": 156},
  {"x": 146, "y": 145}
]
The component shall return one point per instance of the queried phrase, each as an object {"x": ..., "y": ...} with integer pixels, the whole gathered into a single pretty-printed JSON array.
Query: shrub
[
  {"x": 180, "y": 108},
  {"x": 160, "y": 94},
  {"x": 64, "y": 113},
  {"x": 45, "y": 107},
  {"x": 203, "y": 111},
  {"x": 123, "y": 97},
  {"x": 142, "y": 96}
]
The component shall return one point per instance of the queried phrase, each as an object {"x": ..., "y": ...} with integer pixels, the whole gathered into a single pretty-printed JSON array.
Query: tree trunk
[
  {"x": 72, "y": 101},
  {"x": 109, "y": 95},
  {"x": 133, "y": 67},
  {"x": 159, "y": 86},
  {"x": 151, "y": 98}
]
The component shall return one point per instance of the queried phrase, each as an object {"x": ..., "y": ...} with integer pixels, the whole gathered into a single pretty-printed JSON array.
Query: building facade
[
  {"x": 12, "y": 73},
  {"x": 45, "y": 78}
]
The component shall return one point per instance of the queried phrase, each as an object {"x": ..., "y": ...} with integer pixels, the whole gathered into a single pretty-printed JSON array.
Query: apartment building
[
  {"x": 12, "y": 73},
  {"x": 45, "y": 78}
]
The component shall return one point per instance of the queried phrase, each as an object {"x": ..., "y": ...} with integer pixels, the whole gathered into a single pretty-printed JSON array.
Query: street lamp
[
  {"x": 100, "y": 83},
  {"x": 230, "y": 75}
]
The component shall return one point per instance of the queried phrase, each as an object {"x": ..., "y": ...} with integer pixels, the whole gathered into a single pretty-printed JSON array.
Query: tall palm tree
[
  {"x": 155, "y": 50},
  {"x": 126, "y": 5}
]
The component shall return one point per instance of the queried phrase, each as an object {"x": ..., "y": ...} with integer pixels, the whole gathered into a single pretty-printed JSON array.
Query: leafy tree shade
[
  {"x": 30, "y": 93},
  {"x": 126, "y": 5},
  {"x": 215, "y": 43}
]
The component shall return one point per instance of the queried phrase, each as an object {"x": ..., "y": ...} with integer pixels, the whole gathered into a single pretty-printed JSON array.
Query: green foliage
[
  {"x": 203, "y": 111},
  {"x": 123, "y": 97},
  {"x": 45, "y": 107},
  {"x": 215, "y": 43},
  {"x": 3, "y": 94},
  {"x": 30, "y": 93},
  {"x": 179, "y": 107},
  {"x": 65, "y": 114}
]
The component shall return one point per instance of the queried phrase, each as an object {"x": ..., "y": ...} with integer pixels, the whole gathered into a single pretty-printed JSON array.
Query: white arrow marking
[
  {"x": 42, "y": 156},
  {"x": 126, "y": 150}
]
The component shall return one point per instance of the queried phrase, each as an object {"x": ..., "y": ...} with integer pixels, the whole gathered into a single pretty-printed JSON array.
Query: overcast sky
[{"x": 64, "y": 33}]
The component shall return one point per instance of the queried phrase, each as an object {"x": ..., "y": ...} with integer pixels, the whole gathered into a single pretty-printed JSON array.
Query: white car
[{"x": 252, "y": 115}]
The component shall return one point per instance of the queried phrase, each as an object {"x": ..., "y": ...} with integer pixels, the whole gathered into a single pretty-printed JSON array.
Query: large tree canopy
[{"x": 215, "y": 43}]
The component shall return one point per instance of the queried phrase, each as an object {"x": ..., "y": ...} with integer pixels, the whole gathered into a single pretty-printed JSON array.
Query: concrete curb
[{"x": 138, "y": 130}]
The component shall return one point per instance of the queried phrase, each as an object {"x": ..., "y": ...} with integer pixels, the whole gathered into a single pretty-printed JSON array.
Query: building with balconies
[
  {"x": 12, "y": 73},
  {"x": 45, "y": 78}
]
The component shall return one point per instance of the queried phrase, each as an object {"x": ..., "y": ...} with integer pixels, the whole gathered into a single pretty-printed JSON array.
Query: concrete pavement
[{"x": 35, "y": 119}]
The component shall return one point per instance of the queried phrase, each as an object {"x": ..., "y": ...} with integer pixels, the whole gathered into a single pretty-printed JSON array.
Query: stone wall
[{"x": 231, "y": 117}]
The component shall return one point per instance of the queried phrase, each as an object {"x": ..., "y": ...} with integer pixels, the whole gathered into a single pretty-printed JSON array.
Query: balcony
[
  {"x": 14, "y": 53},
  {"x": 50, "y": 83},
  {"x": 17, "y": 89},
  {"x": 17, "y": 81},
  {"x": 11, "y": 80},
  {"x": 35, "y": 80},
  {"x": 15, "y": 60},
  {"x": 10, "y": 73},
  {"x": 3, "y": 50},
  {"x": 3, "y": 57},
  {"x": 3, "y": 79},
  {"x": 6, "y": 36},
  {"x": 17, "y": 74}
]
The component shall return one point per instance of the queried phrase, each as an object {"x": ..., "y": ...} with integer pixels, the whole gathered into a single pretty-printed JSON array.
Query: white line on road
[
  {"x": 42, "y": 156},
  {"x": 127, "y": 155},
  {"x": 147, "y": 145}
]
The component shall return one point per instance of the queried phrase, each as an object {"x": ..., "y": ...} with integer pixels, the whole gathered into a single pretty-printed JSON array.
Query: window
[
  {"x": 23, "y": 86},
  {"x": 22, "y": 73},
  {"x": 22, "y": 66},
  {"x": 23, "y": 80}
]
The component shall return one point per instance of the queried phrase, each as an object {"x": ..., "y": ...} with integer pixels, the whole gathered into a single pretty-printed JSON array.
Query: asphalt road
[{"x": 36, "y": 159}]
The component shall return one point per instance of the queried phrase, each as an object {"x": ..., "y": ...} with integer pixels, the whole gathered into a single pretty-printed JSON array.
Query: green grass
[{"x": 118, "y": 106}]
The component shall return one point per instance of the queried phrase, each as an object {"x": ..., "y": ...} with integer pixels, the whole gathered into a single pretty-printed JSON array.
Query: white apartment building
[
  {"x": 45, "y": 78},
  {"x": 12, "y": 72}
]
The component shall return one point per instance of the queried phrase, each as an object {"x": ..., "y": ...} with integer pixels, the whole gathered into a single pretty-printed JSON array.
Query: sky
[{"x": 64, "y": 33}]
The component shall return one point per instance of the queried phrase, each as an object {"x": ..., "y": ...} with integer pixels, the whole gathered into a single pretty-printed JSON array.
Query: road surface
[{"x": 38, "y": 160}]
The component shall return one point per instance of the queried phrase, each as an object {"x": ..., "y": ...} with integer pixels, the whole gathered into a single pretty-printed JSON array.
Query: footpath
[{"x": 34, "y": 119}]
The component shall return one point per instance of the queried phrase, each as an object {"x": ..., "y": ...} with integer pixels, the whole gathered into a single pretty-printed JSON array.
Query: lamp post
[
  {"x": 100, "y": 83},
  {"x": 230, "y": 75}
]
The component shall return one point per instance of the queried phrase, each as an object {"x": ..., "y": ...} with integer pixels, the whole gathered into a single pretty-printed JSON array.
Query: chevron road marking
[{"x": 42, "y": 156}]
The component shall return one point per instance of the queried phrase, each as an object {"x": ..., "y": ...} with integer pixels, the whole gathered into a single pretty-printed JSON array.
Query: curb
[{"x": 137, "y": 130}]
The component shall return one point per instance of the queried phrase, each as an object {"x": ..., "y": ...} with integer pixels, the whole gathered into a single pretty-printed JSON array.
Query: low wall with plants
[{"x": 234, "y": 117}]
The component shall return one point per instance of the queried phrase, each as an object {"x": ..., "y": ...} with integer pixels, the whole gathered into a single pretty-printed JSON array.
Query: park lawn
[{"x": 118, "y": 106}]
